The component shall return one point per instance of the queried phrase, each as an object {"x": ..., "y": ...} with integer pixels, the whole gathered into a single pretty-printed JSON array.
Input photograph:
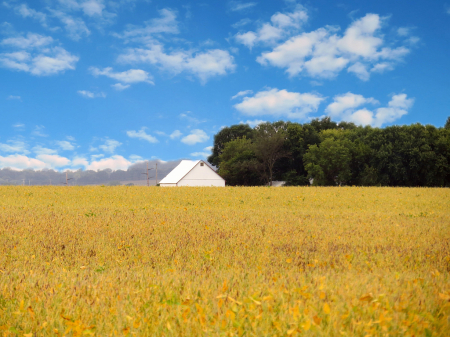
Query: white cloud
[
  {"x": 79, "y": 161},
  {"x": 241, "y": 23},
  {"x": 239, "y": 6},
  {"x": 115, "y": 162},
  {"x": 16, "y": 146},
  {"x": 200, "y": 154},
  {"x": 48, "y": 61},
  {"x": 14, "y": 97},
  {"x": 30, "y": 41},
  {"x": 27, "y": 12},
  {"x": 65, "y": 145},
  {"x": 39, "y": 131},
  {"x": 166, "y": 23},
  {"x": 323, "y": 53},
  {"x": 110, "y": 145},
  {"x": 196, "y": 136},
  {"x": 75, "y": 27},
  {"x": 53, "y": 160},
  {"x": 347, "y": 102},
  {"x": 129, "y": 76},
  {"x": 282, "y": 25},
  {"x": 20, "y": 162},
  {"x": 279, "y": 103},
  {"x": 253, "y": 123},
  {"x": 141, "y": 134},
  {"x": 175, "y": 134},
  {"x": 38, "y": 149},
  {"x": 120, "y": 86},
  {"x": 204, "y": 65},
  {"x": 89, "y": 94},
  {"x": 19, "y": 125},
  {"x": 92, "y": 7},
  {"x": 345, "y": 108},
  {"x": 242, "y": 93}
]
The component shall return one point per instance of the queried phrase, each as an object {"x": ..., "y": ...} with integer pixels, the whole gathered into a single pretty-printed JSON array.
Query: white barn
[{"x": 192, "y": 173}]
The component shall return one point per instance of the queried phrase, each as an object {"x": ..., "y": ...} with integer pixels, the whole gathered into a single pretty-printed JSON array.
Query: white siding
[{"x": 201, "y": 176}]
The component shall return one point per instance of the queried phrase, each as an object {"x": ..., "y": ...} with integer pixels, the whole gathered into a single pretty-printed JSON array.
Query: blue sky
[{"x": 96, "y": 84}]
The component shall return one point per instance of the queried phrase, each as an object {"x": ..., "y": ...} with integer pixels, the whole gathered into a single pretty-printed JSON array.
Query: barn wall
[
  {"x": 201, "y": 173},
  {"x": 168, "y": 185}
]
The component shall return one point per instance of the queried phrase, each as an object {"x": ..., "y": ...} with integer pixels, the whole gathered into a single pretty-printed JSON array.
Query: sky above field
[{"x": 96, "y": 84}]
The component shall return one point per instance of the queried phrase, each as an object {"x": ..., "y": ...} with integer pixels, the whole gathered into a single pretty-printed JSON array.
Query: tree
[
  {"x": 238, "y": 163},
  {"x": 447, "y": 124},
  {"x": 328, "y": 164},
  {"x": 268, "y": 147},
  {"x": 226, "y": 135}
]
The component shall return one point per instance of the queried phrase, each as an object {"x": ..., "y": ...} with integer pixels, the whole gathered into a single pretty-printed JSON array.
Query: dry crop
[{"x": 291, "y": 261}]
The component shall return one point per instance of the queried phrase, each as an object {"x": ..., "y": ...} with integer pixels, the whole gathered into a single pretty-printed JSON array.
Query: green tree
[
  {"x": 238, "y": 163},
  {"x": 447, "y": 124},
  {"x": 269, "y": 147},
  {"x": 226, "y": 135},
  {"x": 328, "y": 164}
]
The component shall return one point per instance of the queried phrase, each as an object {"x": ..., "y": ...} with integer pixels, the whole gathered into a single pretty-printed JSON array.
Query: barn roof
[{"x": 179, "y": 172}]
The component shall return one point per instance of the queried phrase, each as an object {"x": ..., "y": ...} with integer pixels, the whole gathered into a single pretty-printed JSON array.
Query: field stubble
[{"x": 224, "y": 261}]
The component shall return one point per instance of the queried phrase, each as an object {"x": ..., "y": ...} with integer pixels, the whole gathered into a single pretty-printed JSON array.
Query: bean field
[{"x": 256, "y": 261}]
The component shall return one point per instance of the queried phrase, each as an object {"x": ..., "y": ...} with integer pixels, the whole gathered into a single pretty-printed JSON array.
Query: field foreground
[{"x": 261, "y": 261}]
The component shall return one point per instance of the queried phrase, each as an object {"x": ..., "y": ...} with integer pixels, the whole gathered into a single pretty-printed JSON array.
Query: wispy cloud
[
  {"x": 237, "y": 6},
  {"x": 12, "y": 97},
  {"x": 129, "y": 76},
  {"x": 89, "y": 94},
  {"x": 110, "y": 145},
  {"x": 242, "y": 93},
  {"x": 141, "y": 134}
]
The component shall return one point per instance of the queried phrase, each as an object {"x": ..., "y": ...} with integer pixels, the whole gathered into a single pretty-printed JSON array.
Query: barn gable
[{"x": 192, "y": 173}]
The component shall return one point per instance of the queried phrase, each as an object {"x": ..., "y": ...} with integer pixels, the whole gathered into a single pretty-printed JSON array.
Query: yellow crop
[{"x": 141, "y": 261}]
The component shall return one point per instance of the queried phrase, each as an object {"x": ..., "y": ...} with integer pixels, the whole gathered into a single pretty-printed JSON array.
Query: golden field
[{"x": 115, "y": 261}]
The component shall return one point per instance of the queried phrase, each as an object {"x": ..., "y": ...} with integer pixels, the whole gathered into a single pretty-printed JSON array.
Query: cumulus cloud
[
  {"x": 278, "y": 103},
  {"x": 53, "y": 160},
  {"x": 129, "y": 76},
  {"x": 351, "y": 107},
  {"x": 20, "y": 162},
  {"x": 39, "y": 61},
  {"x": 347, "y": 102},
  {"x": 281, "y": 25},
  {"x": 115, "y": 162},
  {"x": 323, "y": 53},
  {"x": 175, "y": 134},
  {"x": 141, "y": 134},
  {"x": 196, "y": 136},
  {"x": 110, "y": 145},
  {"x": 204, "y": 65}
]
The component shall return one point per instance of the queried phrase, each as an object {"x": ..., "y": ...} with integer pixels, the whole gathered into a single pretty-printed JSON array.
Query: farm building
[{"x": 192, "y": 173}]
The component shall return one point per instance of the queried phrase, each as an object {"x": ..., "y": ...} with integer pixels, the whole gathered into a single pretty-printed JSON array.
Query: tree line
[{"x": 326, "y": 153}]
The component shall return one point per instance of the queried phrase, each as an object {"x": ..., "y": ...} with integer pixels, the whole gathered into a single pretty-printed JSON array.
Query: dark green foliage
[
  {"x": 226, "y": 135},
  {"x": 338, "y": 154}
]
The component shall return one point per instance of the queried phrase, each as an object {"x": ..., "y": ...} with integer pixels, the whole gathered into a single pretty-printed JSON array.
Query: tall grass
[{"x": 141, "y": 261}]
